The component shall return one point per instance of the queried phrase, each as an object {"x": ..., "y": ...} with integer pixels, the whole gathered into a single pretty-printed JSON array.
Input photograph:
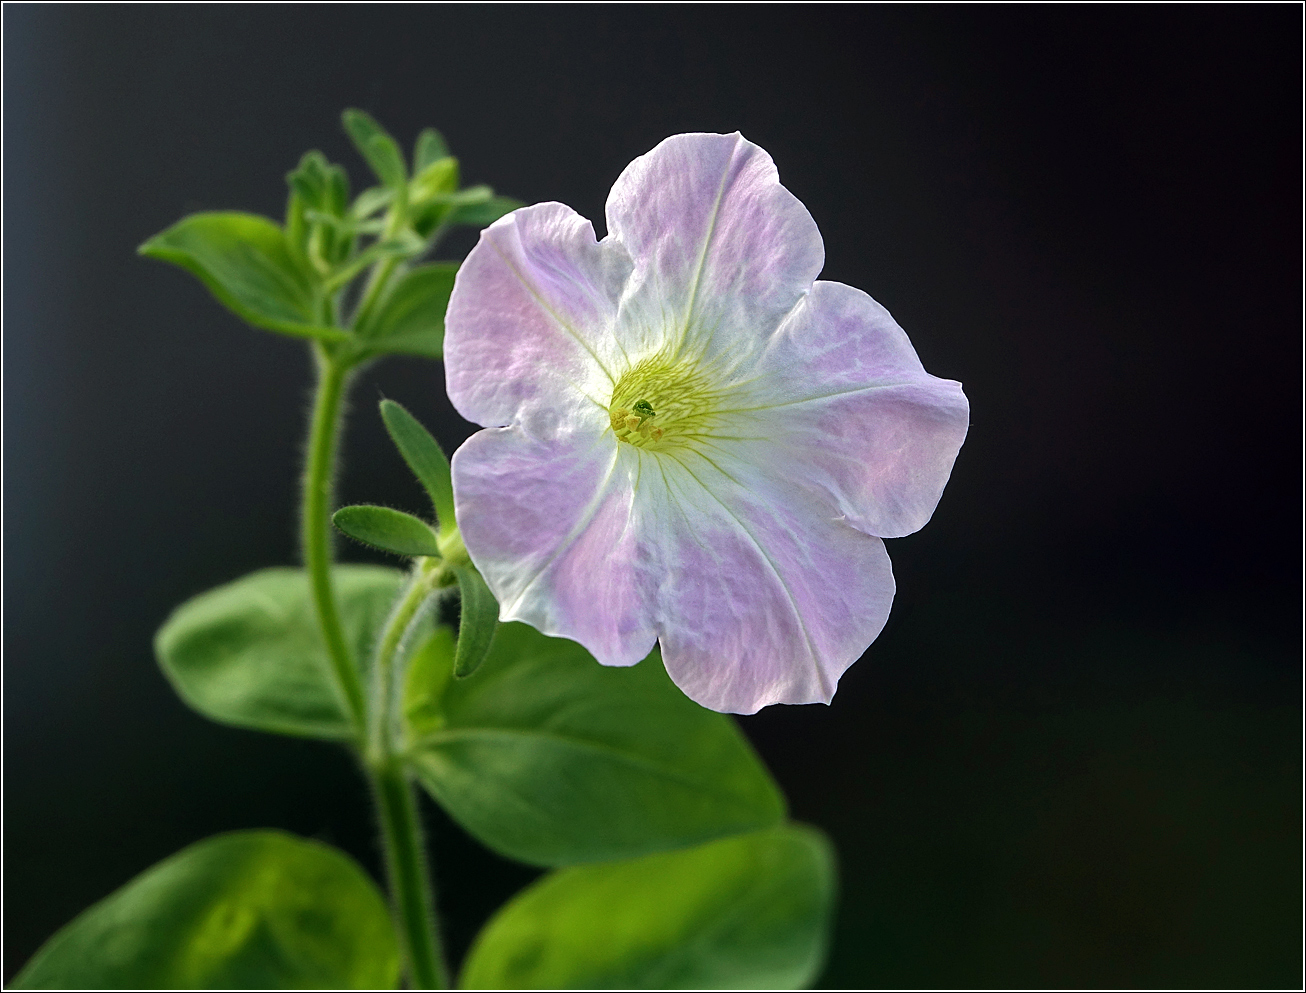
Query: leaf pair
[
  {"x": 545, "y": 756},
  {"x": 267, "y": 910},
  {"x": 403, "y": 534}
]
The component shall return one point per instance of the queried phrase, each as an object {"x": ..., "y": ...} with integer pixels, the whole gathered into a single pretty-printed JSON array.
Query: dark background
[{"x": 1074, "y": 756}]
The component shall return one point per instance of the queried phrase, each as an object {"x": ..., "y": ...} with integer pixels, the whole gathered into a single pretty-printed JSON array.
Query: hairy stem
[
  {"x": 410, "y": 886},
  {"x": 401, "y": 827},
  {"x": 319, "y": 479}
]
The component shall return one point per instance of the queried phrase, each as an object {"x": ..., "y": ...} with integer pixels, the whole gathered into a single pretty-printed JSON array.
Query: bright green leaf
[
  {"x": 247, "y": 265},
  {"x": 750, "y": 912},
  {"x": 250, "y": 653},
  {"x": 479, "y": 618},
  {"x": 246, "y": 910},
  {"x": 550, "y": 758},
  {"x": 411, "y": 320},
  {"x": 377, "y": 147},
  {"x": 387, "y": 529},
  {"x": 425, "y": 457},
  {"x": 430, "y": 147},
  {"x": 371, "y": 200}
]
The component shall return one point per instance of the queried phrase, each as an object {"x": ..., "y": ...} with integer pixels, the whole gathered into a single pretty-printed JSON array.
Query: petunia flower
[{"x": 689, "y": 440}]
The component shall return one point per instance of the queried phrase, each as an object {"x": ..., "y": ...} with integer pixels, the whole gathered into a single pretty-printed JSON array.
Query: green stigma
[{"x": 661, "y": 405}]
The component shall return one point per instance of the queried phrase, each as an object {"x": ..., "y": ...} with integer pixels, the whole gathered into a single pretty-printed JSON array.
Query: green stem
[
  {"x": 316, "y": 522},
  {"x": 424, "y": 579},
  {"x": 410, "y": 886}
]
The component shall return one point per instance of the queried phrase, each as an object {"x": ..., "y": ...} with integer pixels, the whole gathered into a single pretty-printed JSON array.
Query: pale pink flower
[{"x": 688, "y": 440}]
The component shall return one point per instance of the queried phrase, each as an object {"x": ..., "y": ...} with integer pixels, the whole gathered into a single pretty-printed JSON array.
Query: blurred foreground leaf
[
  {"x": 548, "y": 757},
  {"x": 246, "y": 910},
  {"x": 747, "y": 912},
  {"x": 245, "y": 262},
  {"x": 250, "y": 653}
]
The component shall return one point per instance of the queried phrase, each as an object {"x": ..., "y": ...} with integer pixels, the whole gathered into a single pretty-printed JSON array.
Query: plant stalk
[
  {"x": 411, "y": 893},
  {"x": 408, "y": 876},
  {"x": 319, "y": 480}
]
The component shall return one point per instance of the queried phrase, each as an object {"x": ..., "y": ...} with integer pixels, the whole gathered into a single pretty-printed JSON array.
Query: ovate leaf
[
  {"x": 411, "y": 320},
  {"x": 250, "y": 653},
  {"x": 387, "y": 529},
  {"x": 550, "y": 758},
  {"x": 477, "y": 623},
  {"x": 425, "y": 457},
  {"x": 245, "y": 910},
  {"x": 750, "y": 912},
  {"x": 245, "y": 262}
]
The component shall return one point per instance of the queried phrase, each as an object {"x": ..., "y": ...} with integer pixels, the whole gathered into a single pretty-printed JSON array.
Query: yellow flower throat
[{"x": 661, "y": 405}]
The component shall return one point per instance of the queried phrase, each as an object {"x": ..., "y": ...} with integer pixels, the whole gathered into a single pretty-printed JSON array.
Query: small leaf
[
  {"x": 430, "y": 147},
  {"x": 425, "y": 457},
  {"x": 377, "y": 147},
  {"x": 371, "y": 200},
  {"x": 550, "y": 758},
  {"x": 479, "y": 618},
  {"x": 411, "y": 320},
  {"x": 750, "y": 912},
  {"x": 386, "y": 529},
  {"x": 247, "y": 265},
  {"x": 250, "y": 653},
  {"x": 245, "y": 910},
  {"x": 440, "y": 178},
  {"x": 483, "y": 212}
]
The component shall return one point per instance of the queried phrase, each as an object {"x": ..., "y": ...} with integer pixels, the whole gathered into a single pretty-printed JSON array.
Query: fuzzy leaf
[
  {"x": 550, "y": 758},
  {"x": 479, "y": 618},
  {"x": 425, "y": 457},
  {"x": 387, "y": 529},
  {"x": 246, "y": 264}
]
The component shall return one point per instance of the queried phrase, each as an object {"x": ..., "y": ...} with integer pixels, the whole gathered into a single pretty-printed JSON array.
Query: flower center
[{"x": 660, "y": 405}]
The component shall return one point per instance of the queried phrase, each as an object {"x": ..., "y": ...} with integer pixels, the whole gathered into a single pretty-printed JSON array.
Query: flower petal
[
  {"x": 842, "y": 402},
  {"x": 722, "y": 251},
  {"x": 530, "y": 320},
  {"x": 763, "y": 598},
  {"x": 548, "y": 524}
]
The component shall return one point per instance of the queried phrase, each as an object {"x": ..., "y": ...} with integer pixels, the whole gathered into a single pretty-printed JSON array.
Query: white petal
[
  {"x": 548, "y": 524},
  {"x": 530, "y": 320},
  {"x": 762, "y": 596},
  {"x": 840, "y": 401},
  {"x": 722, "y": 251}
]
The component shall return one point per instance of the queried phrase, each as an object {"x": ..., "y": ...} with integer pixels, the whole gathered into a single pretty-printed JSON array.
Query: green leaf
[
  {"x": 377, "y": 147},
  {"x": 247, "y": 265},
  {"x": 386, "y": 529},
  {"x": 483, "y": 212},
  {"x": 430, "y": 147},
  {"x": 425, "y": 457},
  {"x": 429, "y": 669},
  {"x": 411, "y": 320},
  {"x": 246, "y": 910},
  {"x": 479, "y": 618},
  {"x": 250, "y": 653},
  {"x": 440, "y": 178},
  {"x": 750, "y": 912},
  {"x": 550, "y": 758}
]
